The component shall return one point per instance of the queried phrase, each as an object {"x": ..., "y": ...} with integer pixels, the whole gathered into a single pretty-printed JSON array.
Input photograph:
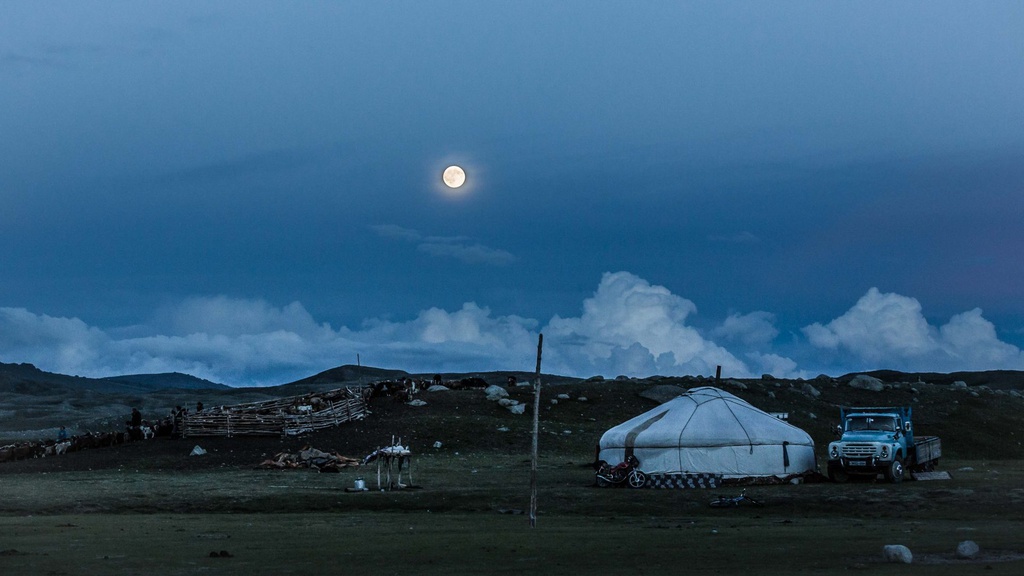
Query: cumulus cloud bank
[
  {"x": 890, "y": 330},
  {"x": 628, "y": 326}
]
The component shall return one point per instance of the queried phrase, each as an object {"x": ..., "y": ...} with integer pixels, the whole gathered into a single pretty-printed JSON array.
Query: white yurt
[{"x": 708, "y": 432}]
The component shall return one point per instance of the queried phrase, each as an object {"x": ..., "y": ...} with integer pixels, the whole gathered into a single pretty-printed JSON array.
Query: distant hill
[
  {"x": 347, "y": 375},
  {"x": 172, "y": 380},
  {"x": 995, "y": 379},
  {"x": 27, "y": 379}
]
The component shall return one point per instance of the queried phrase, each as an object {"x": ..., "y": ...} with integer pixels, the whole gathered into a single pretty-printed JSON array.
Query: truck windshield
[{"x": 883, "y": 423}]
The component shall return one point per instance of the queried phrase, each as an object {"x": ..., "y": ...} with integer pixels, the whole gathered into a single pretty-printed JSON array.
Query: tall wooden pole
[{"x": 536, "y": 433}]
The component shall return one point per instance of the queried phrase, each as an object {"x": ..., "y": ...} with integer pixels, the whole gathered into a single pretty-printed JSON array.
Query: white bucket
[{"x": 360, "y": 484}]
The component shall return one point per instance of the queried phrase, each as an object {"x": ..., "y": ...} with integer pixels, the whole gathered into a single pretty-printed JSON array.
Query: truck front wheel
[{"x": 895, "y": 472}]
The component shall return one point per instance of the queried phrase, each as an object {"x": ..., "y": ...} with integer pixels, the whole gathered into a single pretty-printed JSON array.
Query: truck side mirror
[
  {"x": 906, "y": 426},
  {"x": 837, "y": 431}
]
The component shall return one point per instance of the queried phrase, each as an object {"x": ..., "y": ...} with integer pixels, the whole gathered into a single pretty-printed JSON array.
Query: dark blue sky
[{"x": 251, "y": 191}]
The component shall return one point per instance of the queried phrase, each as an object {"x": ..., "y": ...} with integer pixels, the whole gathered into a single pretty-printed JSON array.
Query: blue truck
[{"x": 880, "y": 441}]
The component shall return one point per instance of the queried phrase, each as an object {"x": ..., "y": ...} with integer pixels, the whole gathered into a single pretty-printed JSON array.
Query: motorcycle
[{"x": 627, "y": 472}]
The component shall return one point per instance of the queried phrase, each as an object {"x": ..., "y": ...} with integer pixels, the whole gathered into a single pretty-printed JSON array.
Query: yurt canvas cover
[{"x": 709, "y": 431}]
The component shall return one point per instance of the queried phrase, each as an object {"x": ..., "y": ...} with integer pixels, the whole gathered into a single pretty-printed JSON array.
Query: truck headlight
[
  {"x": 885, "y": 451},
  {"x": 834, "y": 452}
]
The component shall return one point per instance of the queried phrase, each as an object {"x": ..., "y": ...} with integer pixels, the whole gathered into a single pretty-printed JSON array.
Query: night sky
[{"x": 251, "y": 192}]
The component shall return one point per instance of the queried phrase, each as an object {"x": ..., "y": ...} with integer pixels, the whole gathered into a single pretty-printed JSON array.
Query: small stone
[
  {"x": 967, "y": 550},
  {"x": 897, "y": 554}
]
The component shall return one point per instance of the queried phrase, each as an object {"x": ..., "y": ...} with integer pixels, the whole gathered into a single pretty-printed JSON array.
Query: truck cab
[{"x": 879, "y": 441}]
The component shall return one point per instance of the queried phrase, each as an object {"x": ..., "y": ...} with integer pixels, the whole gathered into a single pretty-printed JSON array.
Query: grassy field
[
  {"x": 466, "y": 520},
  {"x": 149, "y": 508}
]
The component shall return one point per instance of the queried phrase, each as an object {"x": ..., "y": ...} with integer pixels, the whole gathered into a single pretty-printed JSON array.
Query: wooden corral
[{"x": 281, "y": 417}]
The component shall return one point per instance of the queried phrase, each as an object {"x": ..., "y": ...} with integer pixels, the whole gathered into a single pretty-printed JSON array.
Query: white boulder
[
  {"x": 897, "y": 554},
  {"x": 967, "y": 550},
  {"x": 495, "y": 392},
  {"x": 865, "y": 382}
]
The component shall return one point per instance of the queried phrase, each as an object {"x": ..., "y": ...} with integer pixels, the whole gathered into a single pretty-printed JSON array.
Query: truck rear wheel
[{"x": 895, "y": 472}]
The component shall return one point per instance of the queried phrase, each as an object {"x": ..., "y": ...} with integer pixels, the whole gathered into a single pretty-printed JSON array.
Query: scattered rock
[
  {"x": 495, "y": 392},
  {"x": 735, "y": 384},
  {"x": 416, "y": 402},
  {"x": 437, "y": 444},
  {"x": 503, "y": 429},
  {"x": 810, "y": 390},
  {"x": 897, "y": 553},
  {"x": 771, "y": 394},
  {"x": 865, "y": 382},
  {"x": 506, "y": 402},
  {"x": 967, "y": 550},
  {"x": 595, "y": 379},
  {"x": 582, "y": 399},
  {"x": 767, "y": 377},
  {"x": 517, "y": 409},
  {"x": 562, "y": 396},
  {"x": 812, "y": 415},
  {"x": 197, "y": 451},
  {"x": 958, "y": 385},
  {"x": 554, "y": 401},
  {"x": 438, "y": 388}
]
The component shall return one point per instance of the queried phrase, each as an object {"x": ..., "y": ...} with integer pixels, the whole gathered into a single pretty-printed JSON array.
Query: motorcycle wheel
[{"x": 637, "y": 479}]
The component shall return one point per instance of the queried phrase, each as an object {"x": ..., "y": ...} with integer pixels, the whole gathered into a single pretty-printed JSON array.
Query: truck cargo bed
[{"x": 927, "y": 449}]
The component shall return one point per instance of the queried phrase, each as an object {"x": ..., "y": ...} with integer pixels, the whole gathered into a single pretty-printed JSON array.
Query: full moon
[{"x": 454, "y": 176}]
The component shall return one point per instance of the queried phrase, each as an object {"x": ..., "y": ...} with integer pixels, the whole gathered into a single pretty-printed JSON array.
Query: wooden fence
[{"x": 281, "y": 417}]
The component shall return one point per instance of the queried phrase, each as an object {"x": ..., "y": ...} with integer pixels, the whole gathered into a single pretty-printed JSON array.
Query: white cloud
[
  {"x": 458, "y": 247},
  {"x": 631, "y": 322},
  {"x": 628, "y": 326},
  {"x": 756, "y": 328},
  {"x": 890, "y": 331},
  {"x": 468, "y": 253},
  {"x": 743, "y": 237}
]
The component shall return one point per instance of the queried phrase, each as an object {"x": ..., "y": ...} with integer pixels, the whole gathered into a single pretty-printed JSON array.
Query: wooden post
[{"x": 536, "y": 432}]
